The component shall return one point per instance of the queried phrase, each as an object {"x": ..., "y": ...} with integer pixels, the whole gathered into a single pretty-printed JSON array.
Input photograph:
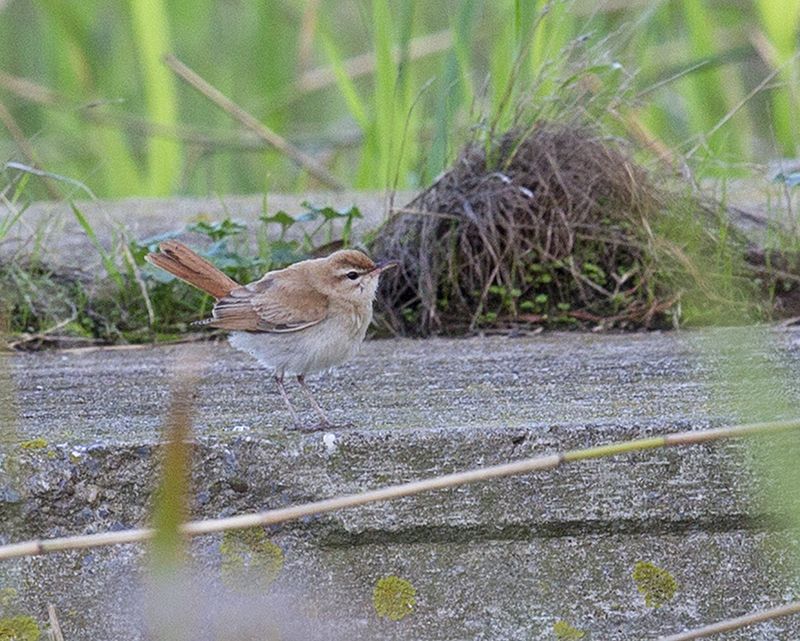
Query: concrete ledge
[
  {"x": 54, "y": 226},
  {"x": 498, "y": 560},
  {"x": 758, "y": 204}
]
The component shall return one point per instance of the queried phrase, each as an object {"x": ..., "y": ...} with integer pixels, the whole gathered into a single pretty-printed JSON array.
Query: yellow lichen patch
[
  {"x": 394, "y": 598},
  {"x": 249, "y": 558},
  {"x": 656, "y": 584},
  {"x": 33, "y": 444},
  {"x": 19, "y": 628},
  {"x": 566, "y": 632}
]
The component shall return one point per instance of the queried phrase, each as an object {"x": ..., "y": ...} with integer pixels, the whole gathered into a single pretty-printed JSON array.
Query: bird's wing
[{"x": 277, "y": 303}]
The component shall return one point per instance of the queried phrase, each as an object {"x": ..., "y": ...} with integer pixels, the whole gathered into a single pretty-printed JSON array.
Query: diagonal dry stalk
[
  {"x": 24, "y": 146},
  {"x": 282, "y": 515},
  {"x": 736, "y": 623},
  {"x": 364, "y": 64},
  {"x": 245, "y": 118},
  {"x": 54, "y": 632}
]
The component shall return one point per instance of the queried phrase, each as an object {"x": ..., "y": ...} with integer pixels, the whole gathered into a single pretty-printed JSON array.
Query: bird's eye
[{"x": 352, "y": 275}]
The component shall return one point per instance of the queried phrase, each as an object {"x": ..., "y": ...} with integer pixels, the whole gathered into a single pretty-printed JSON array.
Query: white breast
[{"x": 320, "y": 347}]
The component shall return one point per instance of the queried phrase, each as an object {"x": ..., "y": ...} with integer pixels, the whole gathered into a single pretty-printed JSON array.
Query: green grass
[
  {"x": 780, "y": 26},
  {"x": 409, "y": 117},
  {"x": 410, "y": 121},
  {"x": 132, "y": 301},
  {"x": 150, "y": 23}
]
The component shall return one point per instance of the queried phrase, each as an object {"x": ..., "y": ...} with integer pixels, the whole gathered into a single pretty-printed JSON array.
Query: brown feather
[
  {"x": 282, "y": 301},
  {"x": 351, "y": 258},
  {"x": 182, "y": 262}
]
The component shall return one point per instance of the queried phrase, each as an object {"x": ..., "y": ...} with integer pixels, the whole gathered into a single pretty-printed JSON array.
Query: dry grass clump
[{"x": 552, "y": 226}]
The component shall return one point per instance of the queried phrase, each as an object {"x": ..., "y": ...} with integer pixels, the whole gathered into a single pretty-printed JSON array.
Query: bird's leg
[
  {"x": 324, "y": 422},
  {"x": 285, "y": 397}
]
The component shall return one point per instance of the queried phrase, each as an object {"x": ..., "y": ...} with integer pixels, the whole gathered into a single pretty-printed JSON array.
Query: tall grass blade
[
  {"x": 347, "y": 87},
  {"x": 710, "y": 90},
  {"x": 151, "y": 30},
  {"x": 454, "y": 90},
  {"x": 33, "y": 171},
  {"x": 171, "y": 599},
  {"x": 108, "y": 262},
  {"x": 385, "y": 90},
  {"x": 405, "y": 121},
  {"x": 758, "y": 382},
  {"x": 551, "y": 31},
  {"x": 781, "y": 24},
  {"x": 172, "y": 499},
  {"x": 72, "y": 57}
]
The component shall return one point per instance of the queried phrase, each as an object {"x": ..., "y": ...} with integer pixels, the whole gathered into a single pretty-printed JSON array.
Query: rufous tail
[{"x": 180, "y": 261}]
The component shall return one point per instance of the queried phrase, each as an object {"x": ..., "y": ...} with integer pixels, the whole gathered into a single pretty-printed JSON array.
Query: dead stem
[{"x": 249, "y": 121}]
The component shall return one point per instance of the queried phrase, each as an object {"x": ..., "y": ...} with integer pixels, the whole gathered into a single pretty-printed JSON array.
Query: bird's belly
[{"x": 306, "y": 351}]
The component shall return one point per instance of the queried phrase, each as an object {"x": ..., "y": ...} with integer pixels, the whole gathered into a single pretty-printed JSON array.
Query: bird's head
[{"x": 351, "y": 275}]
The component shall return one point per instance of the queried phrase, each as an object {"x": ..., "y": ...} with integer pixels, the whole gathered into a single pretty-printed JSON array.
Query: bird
[{"x": 303, "y": 319}]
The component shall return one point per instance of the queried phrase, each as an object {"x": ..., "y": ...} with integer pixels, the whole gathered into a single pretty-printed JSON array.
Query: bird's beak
[{"x": 383, "y": 265}]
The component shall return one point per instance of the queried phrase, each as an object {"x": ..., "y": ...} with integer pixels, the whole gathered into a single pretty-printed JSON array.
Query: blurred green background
[{"x": 382, "y": 92}]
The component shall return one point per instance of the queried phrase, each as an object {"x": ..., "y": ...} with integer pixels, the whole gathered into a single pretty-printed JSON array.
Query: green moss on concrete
[
  {"x": 394, "y": 598},
  {"x": 7, "y": 597},
  {"x": 249, "y": 557},
  {"x": 19, "y": 628},
  {"x": 34, "y": 444},
  {"x": 566, "y": 632},
  {"x": 656, "y": 584}
]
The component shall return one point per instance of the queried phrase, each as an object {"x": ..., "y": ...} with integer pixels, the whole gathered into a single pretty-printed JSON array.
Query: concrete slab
[
  {"x": 52, "y": 225},
  {"x": 500, "y": 560}
]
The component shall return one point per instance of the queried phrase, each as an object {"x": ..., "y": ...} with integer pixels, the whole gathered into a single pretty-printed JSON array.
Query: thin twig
[
  {"x": 758, "y": 88},
  {"x": 423, "y": 212},
  {"x": 41, "y": 95},
  {"x": 282, "y": 515},
  {"x": 203, "y": 137},
  {"x": 25, "y": 147},
  {"x": 735, "y": 624},
  {"x": 362, "y": 65},
  {"x": 29, "y": 90},
  {"x": 248, "y": 120},
  {"x": 137, "y": 276},
  {"x": 49, "y": 174},
  {"x": 183, "y": 340},
  {"x": 40, "y": 336},
  {"x": 208, "y": 139},
  {"x": 54, "y": 633},
  {"x": 669, "y": 79}
]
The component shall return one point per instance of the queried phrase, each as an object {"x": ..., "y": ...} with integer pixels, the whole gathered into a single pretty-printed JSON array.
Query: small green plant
[
  {"x": 656, "y": 584},
  {"x": 14, "y": 209},
  {"x": 140, "y": 303},
  {"x": 394, "y": 598},
  {"x": 108, "y": 262},
  {"x": 563, "y": 631},
  {"x": 324, "y": 217}
]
